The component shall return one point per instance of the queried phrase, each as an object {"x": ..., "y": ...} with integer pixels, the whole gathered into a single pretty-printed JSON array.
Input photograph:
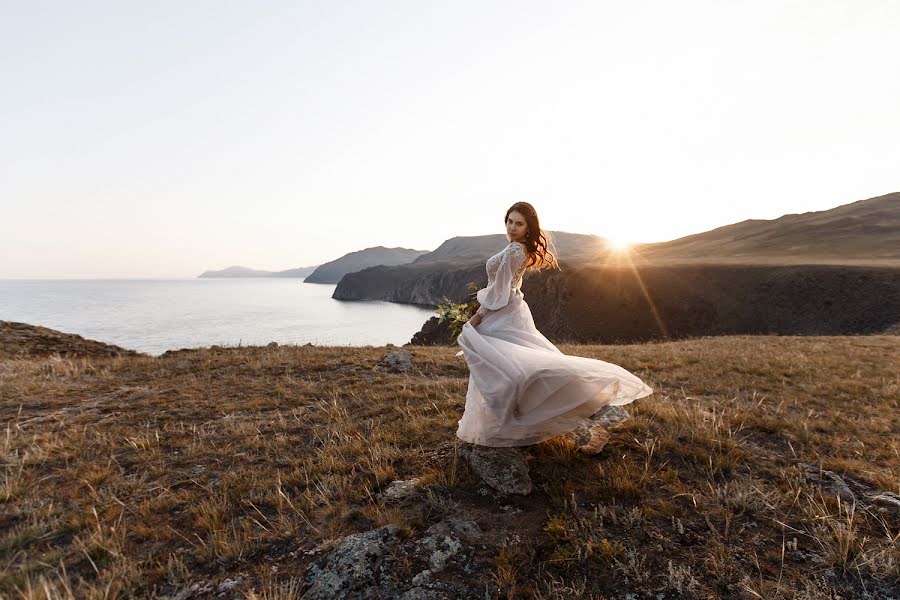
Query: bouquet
[{"x": 458, "y": 314}]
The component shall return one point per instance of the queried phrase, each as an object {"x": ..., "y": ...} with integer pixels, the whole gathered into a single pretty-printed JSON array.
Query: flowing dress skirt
[{"x": 524, "y": 390}]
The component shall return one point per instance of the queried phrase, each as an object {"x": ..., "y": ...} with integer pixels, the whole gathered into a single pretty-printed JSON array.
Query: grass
[{"x": 142, "y": 476}]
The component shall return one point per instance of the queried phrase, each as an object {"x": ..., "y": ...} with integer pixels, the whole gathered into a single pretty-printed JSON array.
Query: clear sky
[{"x": 163, "y": 138}]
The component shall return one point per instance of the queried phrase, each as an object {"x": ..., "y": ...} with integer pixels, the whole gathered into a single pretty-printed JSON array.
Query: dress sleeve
[{"x": 496, "y": 295}]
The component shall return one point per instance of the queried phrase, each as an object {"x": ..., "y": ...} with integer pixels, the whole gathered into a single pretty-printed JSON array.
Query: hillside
[
  {"x": 331, "y": 272},
  {"x": 463, "y": 250},
  {"x": 761, "y": 467},
  {"x": 862, "y": 232}
]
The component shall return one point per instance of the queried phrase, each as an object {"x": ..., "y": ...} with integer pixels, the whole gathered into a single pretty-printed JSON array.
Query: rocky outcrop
[
  {"x": 367, "y": 565},
  {"x": 434, "y": 333},
  {"x": 399, "y": 361},
  {"x": 504, "y": 469},
  {"x": 18, "y": 340}
]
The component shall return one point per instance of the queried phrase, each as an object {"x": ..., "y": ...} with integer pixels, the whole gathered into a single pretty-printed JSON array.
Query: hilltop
[
  {"x": 762, "y": 466},
  {"x": 332, "y": 271},
  {"x": 865, "y": 232}
]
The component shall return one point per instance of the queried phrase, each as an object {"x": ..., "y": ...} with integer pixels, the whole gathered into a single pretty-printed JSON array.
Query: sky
[{"x": 162, "y": 139}]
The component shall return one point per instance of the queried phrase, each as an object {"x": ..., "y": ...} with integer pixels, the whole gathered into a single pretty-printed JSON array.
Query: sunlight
[{"x": 618, "y": 244}]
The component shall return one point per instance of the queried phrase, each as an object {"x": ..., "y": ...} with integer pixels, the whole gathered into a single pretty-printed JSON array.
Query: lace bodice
[{"x": 505, "y": 271}]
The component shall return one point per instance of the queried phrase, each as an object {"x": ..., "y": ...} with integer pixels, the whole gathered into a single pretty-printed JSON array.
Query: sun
[{"x": 618, "y": 244}]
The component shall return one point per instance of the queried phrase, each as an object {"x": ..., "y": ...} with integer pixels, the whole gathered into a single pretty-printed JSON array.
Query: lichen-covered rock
[
  {"x": 354, "y": 567},
  {"x": 398, "y": 361},
  {"x": 366, "y": 565},
  {"x": 610, "y": 415},
  {"x": 503, "y": 469},
  {"x": 590, "y": 439},
  {"x": 400, "y": 489}
]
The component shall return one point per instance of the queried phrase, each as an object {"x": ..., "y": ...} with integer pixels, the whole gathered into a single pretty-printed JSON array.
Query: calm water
[{"x": 155, "y": 315}]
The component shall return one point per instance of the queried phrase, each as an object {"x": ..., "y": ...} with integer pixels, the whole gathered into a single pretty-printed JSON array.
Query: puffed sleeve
[{"x": 496, "y": 295}]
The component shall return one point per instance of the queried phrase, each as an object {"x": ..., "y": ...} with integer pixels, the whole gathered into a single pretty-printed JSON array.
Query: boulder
[
  {"x": 354, "y": 567},
  {"x": 503, "y": 469},
  {"x": 610, "y": 415},
  {"x": 400, "y": 489},
  {"x": 398, "y": 361}
]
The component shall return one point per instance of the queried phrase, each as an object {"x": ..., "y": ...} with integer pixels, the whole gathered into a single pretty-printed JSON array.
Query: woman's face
[{"x": 516, "y": 227}]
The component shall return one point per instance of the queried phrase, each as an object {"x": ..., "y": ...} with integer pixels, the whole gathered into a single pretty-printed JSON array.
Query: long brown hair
[{"x": 537, "y": 241}]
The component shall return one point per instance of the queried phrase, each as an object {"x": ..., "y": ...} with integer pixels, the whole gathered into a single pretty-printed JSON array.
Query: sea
[{"x": 156, "y": 315}]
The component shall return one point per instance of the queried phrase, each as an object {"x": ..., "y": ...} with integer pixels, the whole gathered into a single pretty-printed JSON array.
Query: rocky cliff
[{"x": 619, "y": 305}]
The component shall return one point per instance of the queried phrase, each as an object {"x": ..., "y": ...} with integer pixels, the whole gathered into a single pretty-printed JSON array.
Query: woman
[{"x": 522, "y": 388}]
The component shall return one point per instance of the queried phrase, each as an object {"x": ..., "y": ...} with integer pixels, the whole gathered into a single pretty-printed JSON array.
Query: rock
[
  {"x": 430, "y": 591},
  {"x": 272, "y": 345},
  {"x": 354, "y": 567},
  {"x": 400, "y": 489},
  {"x": 362, "y": 566},
  {"x": 398, "y": 361},
  {"x": 434, "y": 333},
  {"x": 590, "y": 439},
  {"x": 829, "y": 481},
  {"x": 229, "y": 584},
  {"x": 503, "y": 469},
  {"x": 888, "y": 499},
  {"x": 465, "y": 529},
  {"x": 610, "y": 415}
]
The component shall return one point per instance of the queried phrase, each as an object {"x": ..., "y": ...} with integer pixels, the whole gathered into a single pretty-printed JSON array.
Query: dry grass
[{"x": 141, "y": 476}]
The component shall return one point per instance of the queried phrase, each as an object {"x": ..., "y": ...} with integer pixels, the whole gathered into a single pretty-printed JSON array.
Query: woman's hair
[{"x": 537, "y": 241}]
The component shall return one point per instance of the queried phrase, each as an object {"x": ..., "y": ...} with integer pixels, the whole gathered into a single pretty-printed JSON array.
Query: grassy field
[{"x": 141, "y": 476}]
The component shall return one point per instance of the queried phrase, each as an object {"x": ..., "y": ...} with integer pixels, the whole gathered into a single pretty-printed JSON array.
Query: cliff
[{"x": 621, "y": 304}]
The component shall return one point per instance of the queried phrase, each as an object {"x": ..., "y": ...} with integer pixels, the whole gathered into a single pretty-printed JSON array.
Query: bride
[{"x": 522, "y": 388}]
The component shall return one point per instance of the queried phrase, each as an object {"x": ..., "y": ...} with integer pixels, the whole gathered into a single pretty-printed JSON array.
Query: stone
[
  {"x": 364, "y": 565},
  {"x": 590, "y": 440},
  {"x": 829, "y": 481},
  {"x": 503, "y": 469},
  {"x": 400, "y": 489},
  {"x": 272, "y": 345},
  {"x": 610, "y": 415},
  {"x": 888, "y": 499},
  {"x": 463, "y": 528},
  {"x": 398, "y": 361},
  {"x": 353, "y": 567},
  {"x": 229, "y": 585}
]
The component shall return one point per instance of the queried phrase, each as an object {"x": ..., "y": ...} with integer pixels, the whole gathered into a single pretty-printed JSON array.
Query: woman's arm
[{"x": 496, "y": 295}]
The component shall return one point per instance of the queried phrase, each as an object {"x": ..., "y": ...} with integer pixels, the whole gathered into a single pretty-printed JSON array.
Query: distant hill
[
  {"x": 463, "y": 250},
  {"x": 866, "y": 232},
  {"x": 238, "y": 271},
  {"x": 331, "y": 272}
]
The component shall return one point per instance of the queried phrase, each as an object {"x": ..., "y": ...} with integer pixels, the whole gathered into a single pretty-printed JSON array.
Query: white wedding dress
[{"x": 522, "y": 388}]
